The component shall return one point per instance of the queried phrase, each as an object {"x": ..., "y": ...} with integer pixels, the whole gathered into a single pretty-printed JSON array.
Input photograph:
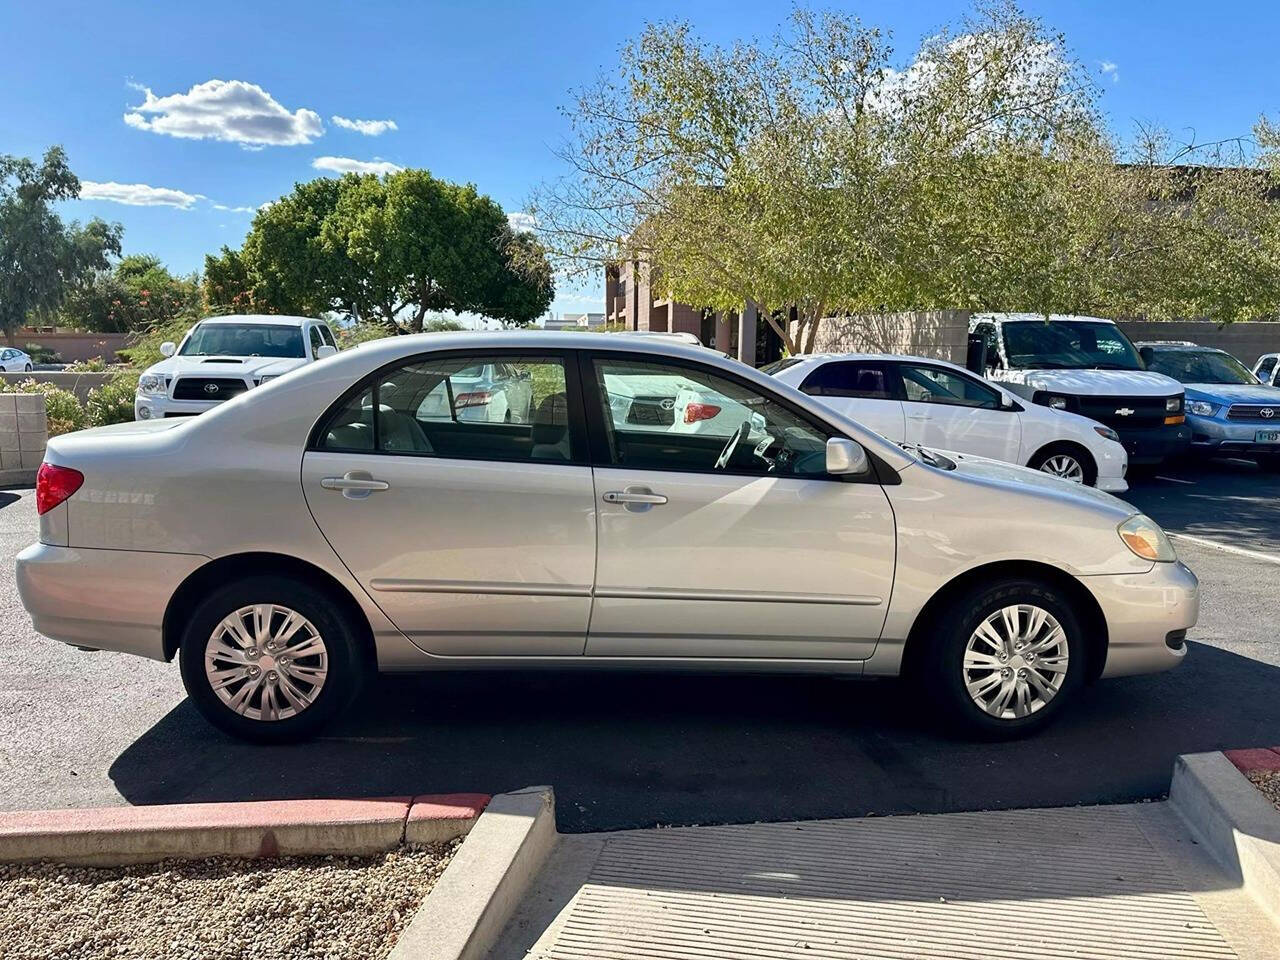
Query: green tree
[
  {"x": 137, "y": 293},
  {"x": 41, "y": 258},
  {"x": 388, "y": 250}
]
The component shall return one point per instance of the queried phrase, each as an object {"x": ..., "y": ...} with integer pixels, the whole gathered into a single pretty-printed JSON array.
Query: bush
[
  {"x": 62, "y": 408},
  {"x": 41, "y": 354},
  {"x": 113, "y": 401},
  {"x": 92, "y": 365}
]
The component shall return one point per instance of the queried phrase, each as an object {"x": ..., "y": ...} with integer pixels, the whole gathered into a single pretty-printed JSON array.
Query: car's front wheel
[
  {"x": 28, "y": 368},
  {"x": 1067, "y": 461},
  {"x": 1006, "y": 659},
  {"x": 270, "y": 659}
]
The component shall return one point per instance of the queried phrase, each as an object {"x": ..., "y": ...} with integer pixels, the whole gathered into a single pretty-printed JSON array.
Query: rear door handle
[
  {"x": 635, "y": 499},
  {"x": 355, "y": 485}
]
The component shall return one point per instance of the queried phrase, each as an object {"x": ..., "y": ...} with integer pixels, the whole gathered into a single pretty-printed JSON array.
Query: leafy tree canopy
[
  {"x": 41, "y": 258},
  {"x": 390, "y": 250}
]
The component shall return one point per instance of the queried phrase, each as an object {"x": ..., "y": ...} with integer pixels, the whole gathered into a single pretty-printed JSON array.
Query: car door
[
  {"x": 731, "y": 541},
  {"x": 868, "y": 391},
  {"x": 949, "y": 410},
  {"x": 475, "y": 538}
]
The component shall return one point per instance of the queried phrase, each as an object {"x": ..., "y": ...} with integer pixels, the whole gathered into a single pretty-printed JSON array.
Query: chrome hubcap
[
  {"x": 266, "y": 662},
  {"x": 1065, "y": 466},
  {"x": 1015, "y": 661}
]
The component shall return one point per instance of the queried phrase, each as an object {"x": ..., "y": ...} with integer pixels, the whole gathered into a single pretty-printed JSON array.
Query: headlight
[
  {"x": 1173, "y": 404},
  {"x": 1106, "y": 433},
  {"x": 269, "y": 376},
  {"x": 1202, "y": 409},
  {"x": 1144, "y": 537},
  {"x": 151, "y": 383},
  {"x": 1052, "y": 400}
]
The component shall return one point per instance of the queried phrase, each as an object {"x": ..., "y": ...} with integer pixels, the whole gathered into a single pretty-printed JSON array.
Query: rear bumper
[
  {"x": 1147, "y": 617},
  {"x": 105, "y": 599},
  {"x": 1152, "y": 445}
]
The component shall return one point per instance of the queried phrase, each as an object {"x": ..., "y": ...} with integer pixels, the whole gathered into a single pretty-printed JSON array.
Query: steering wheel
[{"x": 738, "y": 435}]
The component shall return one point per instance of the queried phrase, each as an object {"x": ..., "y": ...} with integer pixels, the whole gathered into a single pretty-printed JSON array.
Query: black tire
[
  {"x": 943, "y": 672},
  {"x": 1078, "y": 453},
  {"x": 347, "y": 666},
  {"x": 28, "y": 368}
]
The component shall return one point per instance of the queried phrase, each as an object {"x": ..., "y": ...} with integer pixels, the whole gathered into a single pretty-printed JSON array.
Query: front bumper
[
  {"x": 1147, "y": 617},
  {"x": 1152, "y": 445},
  {"x": 1212, "y": 436},
  {"x": 104, "y": 599},
  {"x": 158, "y": 406}
]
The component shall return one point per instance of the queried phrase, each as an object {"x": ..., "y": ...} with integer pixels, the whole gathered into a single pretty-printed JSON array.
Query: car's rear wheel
[
  {"x": 1007, "y": 659},
  {"x": 270, "y": 659},
  {"x": 1068, "y": 462}
]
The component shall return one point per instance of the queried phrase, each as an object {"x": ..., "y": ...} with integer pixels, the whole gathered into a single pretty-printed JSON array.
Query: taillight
[
  {"x": 54, "y": 484},
  {"x": 477, "y": 399},
  {"x": 700, "y": 411}
]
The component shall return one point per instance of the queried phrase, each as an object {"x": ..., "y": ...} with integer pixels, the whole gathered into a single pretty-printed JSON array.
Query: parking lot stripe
[{"x": 1227, "y": 548}]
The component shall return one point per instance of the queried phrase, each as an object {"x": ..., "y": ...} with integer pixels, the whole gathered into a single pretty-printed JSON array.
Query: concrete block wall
[
  {"x": 939, "y": 334},
  {"x": 24, "y": 433}
]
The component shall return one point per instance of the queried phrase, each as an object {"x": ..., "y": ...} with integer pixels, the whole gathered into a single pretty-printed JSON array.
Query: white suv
[
  {"x": 222, "y": 357},
  {"x": 936, "y": 404}
]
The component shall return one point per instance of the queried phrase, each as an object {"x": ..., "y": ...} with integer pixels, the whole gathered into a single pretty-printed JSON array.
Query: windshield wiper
[{"x": 1113, "y": 366}]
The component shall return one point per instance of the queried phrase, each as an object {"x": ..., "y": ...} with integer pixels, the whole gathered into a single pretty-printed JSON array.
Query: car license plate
[{"x": 1267, "y": 436}]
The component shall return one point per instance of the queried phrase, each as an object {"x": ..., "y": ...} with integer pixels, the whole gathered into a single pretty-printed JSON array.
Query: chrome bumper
[
  {"x": 1147, "y": 616},
  {"x": 104, "y": 599}
]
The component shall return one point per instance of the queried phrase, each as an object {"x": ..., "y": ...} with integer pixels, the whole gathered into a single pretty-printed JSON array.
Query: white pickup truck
[
  {"x": 222, "y": 357},
  {"x": 1084, "y": 365}
]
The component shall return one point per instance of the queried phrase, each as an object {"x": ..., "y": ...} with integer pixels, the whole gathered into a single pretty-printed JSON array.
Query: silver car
[{"x": 307, "y": 533}]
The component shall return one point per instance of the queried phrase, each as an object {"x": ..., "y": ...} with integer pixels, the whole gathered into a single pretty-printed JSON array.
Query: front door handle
[
  {"x": 355, "y": 485},
  {"x": 635, "y": 499}
]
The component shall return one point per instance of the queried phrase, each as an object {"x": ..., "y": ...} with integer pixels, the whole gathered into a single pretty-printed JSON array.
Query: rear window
[{"x": 851, "y": 378}]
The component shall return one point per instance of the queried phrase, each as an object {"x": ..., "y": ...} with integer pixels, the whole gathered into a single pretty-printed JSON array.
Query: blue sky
[{"x": 473, "y": 89}]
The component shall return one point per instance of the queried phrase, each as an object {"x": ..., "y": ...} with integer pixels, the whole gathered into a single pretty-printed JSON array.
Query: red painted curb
[
  {"x": 1255, "y": 759},
  {"x": 257, "y": 828}
]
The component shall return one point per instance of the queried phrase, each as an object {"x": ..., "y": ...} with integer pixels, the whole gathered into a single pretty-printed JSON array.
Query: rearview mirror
[
  {"x": 846, "y": 457},
  {"x": 168, "y": 348},
  {"x": 325, "y": 351}
]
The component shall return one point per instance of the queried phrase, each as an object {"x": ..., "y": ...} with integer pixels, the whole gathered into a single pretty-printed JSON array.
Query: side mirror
[
  {"x": 168, "y": 348},
  {"x": 325, "y": 351},
  {"x": 846, "y": 457},
  {"x": 1006, "y": 402}
]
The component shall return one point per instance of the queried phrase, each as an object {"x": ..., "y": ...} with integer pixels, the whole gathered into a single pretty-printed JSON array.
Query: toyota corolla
[{"x": 349, "y": 518}]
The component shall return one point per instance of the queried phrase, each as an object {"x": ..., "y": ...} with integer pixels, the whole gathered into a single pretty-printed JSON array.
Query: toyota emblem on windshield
[
  {"x": 211, "y": 388},
  {"x": 1124, "y": 412},
  {"x": 1266, "y": 413}
]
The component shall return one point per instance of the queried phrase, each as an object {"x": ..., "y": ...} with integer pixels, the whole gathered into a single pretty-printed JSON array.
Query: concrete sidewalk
[{"x": 1093, "y": 882}]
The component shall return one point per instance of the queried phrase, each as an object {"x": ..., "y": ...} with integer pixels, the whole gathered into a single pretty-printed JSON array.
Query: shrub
[
  {"x": 92, "y": 365},
  {"x": 113, "y": 401},
  {"x": 41, "y": 354},
  {"x": 62, "y": 408}
]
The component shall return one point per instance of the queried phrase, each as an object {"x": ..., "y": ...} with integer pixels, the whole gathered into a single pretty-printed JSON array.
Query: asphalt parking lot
[{"x": 80, "y": 729}]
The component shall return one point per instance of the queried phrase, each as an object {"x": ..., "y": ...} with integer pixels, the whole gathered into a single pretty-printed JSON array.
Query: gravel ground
[
  {"x": 1269, "y": 783},
  {"x": 287, "y": 909}
]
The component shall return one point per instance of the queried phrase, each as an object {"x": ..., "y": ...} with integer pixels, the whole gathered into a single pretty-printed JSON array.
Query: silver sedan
[{"x": 305, "y": 534}]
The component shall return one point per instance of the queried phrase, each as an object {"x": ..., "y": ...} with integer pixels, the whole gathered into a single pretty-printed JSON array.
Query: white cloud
[
  {"x": 370, "y": 128},
  {"x": 223, "y": 206},
  {"x": 137, "y": 194},
  {"x": 1109, "y": 68},
  {"x": 522, "y": 222},
  {"x": 348, "y": 165},
  {"x": 230, "y": 110}
]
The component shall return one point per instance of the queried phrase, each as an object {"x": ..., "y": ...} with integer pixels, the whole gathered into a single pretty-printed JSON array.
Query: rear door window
[{"x": 870, "y": 380}]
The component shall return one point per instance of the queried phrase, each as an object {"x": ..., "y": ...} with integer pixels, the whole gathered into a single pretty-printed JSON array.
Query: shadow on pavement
[
  {"x": 632, "y": 750},
  {"x": 1231, "y": 501},
  {"x": 7, "y": 497}
]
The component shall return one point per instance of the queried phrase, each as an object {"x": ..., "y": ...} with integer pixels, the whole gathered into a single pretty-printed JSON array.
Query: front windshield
[
  {"x": 1199, "y": 366},
  {"x": 1068, "y": 345},
  {"x": 243, "y": 340}
]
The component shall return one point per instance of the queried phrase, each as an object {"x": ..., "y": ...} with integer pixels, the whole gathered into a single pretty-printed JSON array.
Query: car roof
[
  {"x": 1175, "y": 345},
  {"x": 263, "y": 318},
  {"x": 1012, "y": 317},
  {"x": 892, "y": 357}
]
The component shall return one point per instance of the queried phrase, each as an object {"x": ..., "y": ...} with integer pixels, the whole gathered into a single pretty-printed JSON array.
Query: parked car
[
  {"x": 931, "y": 402},
  {"x": 1229, "y": 410},
  {"x": 493, "y": 392},
  {"x": 1267, "y": 369},
  {"x": 223, "y": 357},
  {"x": 1085, "y": 365},
  {"x": 306, "y": 533},
  {"x": 13, "y": 359}
]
